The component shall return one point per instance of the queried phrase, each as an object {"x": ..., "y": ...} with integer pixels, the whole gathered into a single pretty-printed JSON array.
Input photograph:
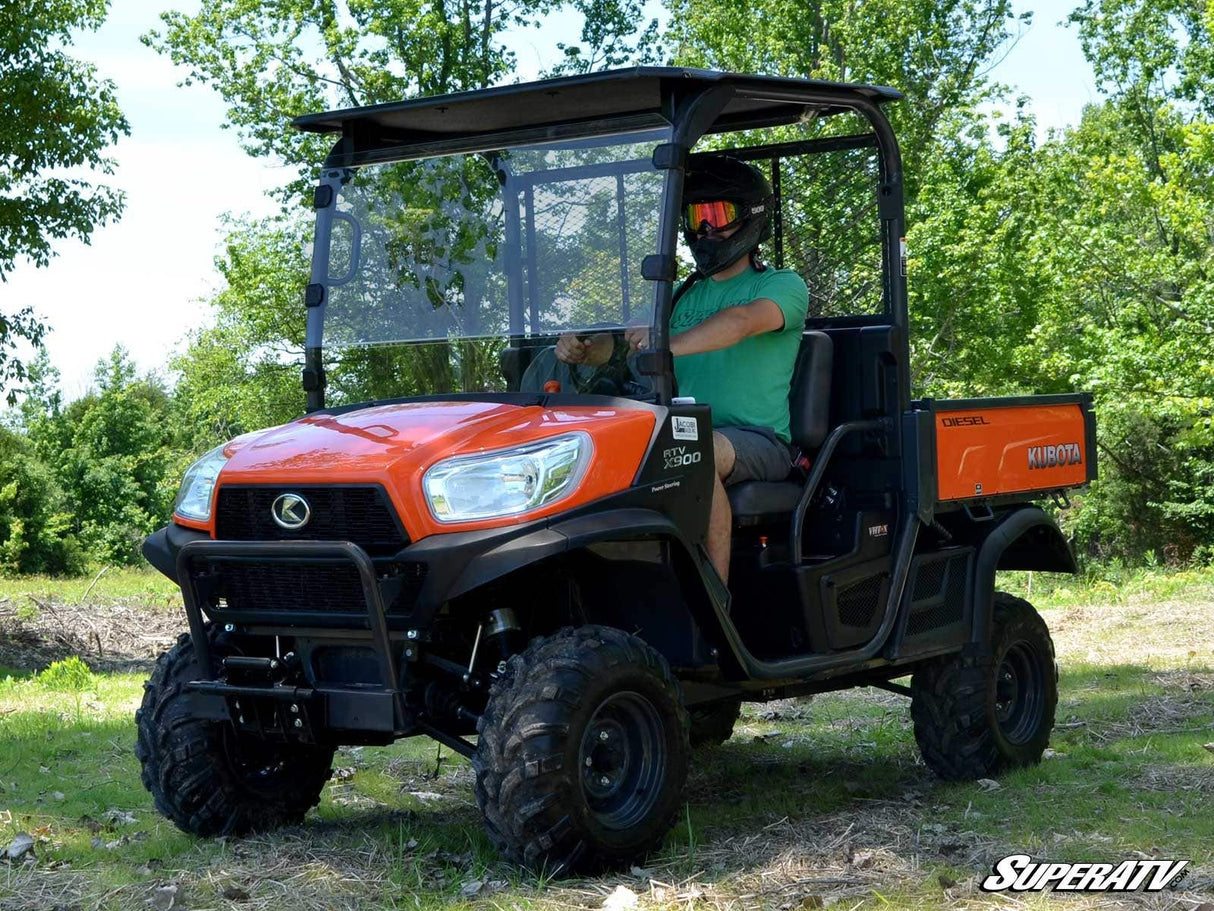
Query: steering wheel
[
  {"x": 609, "y": 377},
  {"x": 614, "y": 377}
]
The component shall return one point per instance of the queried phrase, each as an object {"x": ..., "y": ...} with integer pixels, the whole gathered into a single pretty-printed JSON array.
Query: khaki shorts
[{"x": 760, "y": 455}]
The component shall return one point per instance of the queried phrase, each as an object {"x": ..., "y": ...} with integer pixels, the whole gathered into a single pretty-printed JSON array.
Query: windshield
[{"x": 519, "y": 246}]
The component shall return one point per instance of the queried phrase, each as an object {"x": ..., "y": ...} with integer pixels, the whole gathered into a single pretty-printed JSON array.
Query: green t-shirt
[{"x": 746, "y": 383}]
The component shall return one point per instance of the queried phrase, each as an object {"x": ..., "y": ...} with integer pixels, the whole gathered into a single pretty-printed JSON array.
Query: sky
[{"x": 143, "y": 281}]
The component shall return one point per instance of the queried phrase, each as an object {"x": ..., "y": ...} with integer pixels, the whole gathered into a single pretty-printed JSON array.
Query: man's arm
[{"x": 728, "y": 327}]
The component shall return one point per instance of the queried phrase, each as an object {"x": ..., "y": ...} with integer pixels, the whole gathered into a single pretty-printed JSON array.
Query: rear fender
[{"x": 1025, "y": 538}]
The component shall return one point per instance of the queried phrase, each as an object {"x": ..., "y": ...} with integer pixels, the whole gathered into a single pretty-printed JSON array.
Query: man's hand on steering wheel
[
  {"x": 637, "y": 337},
  {"x": 591, "y": 350}
]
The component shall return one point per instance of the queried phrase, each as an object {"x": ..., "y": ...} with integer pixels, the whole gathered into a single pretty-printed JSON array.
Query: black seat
[{"x": 809, "y": 413}]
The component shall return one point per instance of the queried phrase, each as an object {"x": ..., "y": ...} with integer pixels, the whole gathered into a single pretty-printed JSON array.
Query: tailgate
[{"x": 1025, "y": 444}]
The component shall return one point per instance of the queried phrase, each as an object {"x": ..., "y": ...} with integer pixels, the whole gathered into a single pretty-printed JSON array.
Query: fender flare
[
  {"x": 1026, "y": 538},
  {"x": 524, "y": 550},
  {"x": 503, "y": 557}
]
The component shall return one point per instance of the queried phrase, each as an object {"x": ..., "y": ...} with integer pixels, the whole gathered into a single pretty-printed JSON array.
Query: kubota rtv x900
[{"x": 518, "y": 570}]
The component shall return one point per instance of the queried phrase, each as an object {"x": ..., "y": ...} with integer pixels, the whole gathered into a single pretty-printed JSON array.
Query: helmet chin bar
[{"x": 712, "y": 254}]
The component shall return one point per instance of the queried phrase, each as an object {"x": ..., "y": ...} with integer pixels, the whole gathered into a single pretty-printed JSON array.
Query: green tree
[
  {"x": 36, "y": 526},
  {"x": 116, "y": 456},
  {"x": 937, "y": 53},
  {"x": 58, "y": 115},
  {"x": 241, "y": 372},
  {"x": 1133, "y": 251},
  {"x": 612, "y": 35},
  {"x": 274, "y": 61},
  {"x": 977, "y": 284}
]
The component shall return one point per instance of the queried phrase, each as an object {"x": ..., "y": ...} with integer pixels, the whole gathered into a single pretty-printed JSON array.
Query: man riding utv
[
  {"x": 734, "y": 336},
  {"x": 446, "y": 545}
]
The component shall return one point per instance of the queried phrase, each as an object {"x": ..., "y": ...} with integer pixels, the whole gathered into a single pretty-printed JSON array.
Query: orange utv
[{"x": 466, "y": 539}]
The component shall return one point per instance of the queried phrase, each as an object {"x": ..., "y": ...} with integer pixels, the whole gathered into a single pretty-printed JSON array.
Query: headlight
[
  {"x": 508, "y": 482},
  {"x": 194, "y": 497}
]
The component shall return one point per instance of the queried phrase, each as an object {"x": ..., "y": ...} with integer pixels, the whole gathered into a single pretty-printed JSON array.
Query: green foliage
[
  {"x": 937, "y": 53},
  {"x": 609, "y": 38},
  {"x": 36, "y": 527},
  {"x": 115, "y": 455},
  {"x": 71, "y": 675},
  {"x": 241, "y": 372},
  {"x": 1132, "y": 257},
  {"x": 272, "y": 62},
  {"x": 58, "y": 115}
]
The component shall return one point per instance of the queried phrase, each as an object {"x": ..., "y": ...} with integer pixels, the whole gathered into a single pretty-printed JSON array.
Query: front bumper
[{"x": 275, "y": 709}]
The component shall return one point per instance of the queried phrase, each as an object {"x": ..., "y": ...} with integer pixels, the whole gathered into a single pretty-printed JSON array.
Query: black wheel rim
[
  {"x": 1019, "y": 693},
  {"x": 257, "y": 765},
  {"x": 622, "y": 760}
]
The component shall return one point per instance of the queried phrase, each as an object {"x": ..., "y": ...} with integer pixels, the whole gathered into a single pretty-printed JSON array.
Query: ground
[{"x": 811, "y": 804}]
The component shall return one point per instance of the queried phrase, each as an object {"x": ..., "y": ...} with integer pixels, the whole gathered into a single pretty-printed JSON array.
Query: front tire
[
  {"x": 583, "y": 752},
  {"x": 977, "y": 717},
  {"x": 205, "y": 777}
]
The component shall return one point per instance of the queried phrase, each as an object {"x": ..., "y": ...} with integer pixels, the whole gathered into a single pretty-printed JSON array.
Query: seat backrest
[{"x": 809, "y": 394}]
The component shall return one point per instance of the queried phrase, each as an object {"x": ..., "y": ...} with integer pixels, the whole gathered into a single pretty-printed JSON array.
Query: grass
[
  {"x": 108, "y": 584},
  {"x": 1110, "y": 584},
  {"x": 811, "y": 803}
]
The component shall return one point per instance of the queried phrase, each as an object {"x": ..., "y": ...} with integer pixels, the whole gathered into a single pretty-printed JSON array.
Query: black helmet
[{"x": 718, "y": 177}]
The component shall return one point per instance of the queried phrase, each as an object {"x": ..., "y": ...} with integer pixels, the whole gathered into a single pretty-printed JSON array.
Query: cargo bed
[{"x": 1021, "y": 447}]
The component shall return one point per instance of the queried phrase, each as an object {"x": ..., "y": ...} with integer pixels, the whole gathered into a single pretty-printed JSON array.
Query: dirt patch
[{"x": 123, "y": 636}]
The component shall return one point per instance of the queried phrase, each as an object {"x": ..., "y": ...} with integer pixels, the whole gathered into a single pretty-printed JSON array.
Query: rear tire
[
  {"x": 205, "y": 777},
  {"x": 977, "y": 717},
  {"x": 583, "y": 752},
  {"x": 712, "y": 725}
]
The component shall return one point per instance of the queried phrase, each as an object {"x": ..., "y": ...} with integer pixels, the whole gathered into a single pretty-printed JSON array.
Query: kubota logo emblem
[
  {"x": 1054, "y": 456},
  {"x": 290, "y": 511}
]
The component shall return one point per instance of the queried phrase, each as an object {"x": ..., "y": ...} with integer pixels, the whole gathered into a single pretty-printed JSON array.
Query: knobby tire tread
[
  {"x": 530, "y": 799},
  {"x": 951, "y": 703},
  {"x": 184, "y": 766}
]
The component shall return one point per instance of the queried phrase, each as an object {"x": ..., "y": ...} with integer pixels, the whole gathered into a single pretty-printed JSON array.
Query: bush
[
  {"x": 1154, "y": 501},
  {"x": 35, "y": 521},
  {"x": 70, "y": 674}
]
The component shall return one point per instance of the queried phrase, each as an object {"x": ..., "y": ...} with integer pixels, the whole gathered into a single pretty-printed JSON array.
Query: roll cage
[{"x": 689, "y": 104}]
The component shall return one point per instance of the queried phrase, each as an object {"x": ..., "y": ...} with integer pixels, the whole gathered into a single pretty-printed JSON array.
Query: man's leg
[{"x": 720, "y": 518}]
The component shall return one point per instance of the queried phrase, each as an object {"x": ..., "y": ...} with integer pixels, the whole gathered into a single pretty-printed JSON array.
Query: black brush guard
[{"x": 277, "y": 710}]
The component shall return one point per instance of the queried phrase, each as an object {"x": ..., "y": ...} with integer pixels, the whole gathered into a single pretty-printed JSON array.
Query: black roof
[{"x": 636, "y": 95}]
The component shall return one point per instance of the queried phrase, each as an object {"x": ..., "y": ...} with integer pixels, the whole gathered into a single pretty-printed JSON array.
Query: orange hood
[{"x": 394, "y": 445}]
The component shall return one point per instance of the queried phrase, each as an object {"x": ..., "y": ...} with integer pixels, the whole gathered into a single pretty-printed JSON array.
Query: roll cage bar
[{"x": 690, "y": 103}]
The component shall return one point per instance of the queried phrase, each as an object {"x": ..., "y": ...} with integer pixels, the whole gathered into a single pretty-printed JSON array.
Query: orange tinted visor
[{"x": 718, "y": 214}]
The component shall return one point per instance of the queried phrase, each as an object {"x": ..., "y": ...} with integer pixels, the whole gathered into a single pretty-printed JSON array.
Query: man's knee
[{"x": 724, "y": 452}]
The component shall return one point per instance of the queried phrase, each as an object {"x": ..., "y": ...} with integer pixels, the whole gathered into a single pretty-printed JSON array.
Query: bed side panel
[{"x": 990, "y": 447}]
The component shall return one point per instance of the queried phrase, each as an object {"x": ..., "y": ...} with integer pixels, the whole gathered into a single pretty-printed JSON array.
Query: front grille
[
  {"x": 275, "y": 586},
  {"x": 281, "y": 586},
  {"x": 363, "y": 515}
]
